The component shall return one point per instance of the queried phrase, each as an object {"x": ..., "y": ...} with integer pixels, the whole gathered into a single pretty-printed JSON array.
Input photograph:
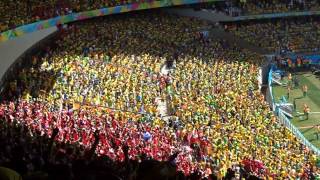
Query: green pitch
[{"x": 307, "y": 127}]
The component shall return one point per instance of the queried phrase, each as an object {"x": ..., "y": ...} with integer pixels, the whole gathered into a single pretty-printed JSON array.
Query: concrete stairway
[{"x": 162, "y": 107}]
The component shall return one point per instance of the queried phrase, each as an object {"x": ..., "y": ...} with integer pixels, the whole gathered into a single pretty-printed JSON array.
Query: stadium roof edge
[{"x": 24, "y": 29}]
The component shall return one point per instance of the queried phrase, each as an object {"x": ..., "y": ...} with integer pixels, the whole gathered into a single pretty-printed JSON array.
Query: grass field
[{"x": 312, "y": 100}]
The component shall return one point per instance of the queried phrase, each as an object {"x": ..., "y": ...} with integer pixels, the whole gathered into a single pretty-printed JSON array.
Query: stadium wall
[
  {"x": 264, "y": 70},
  {"x": 13, "y": 51}
]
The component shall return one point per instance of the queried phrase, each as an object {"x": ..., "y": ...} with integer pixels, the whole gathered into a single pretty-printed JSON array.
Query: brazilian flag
[
  {"x": 169, "y": 90},
  {"x": 318, "y": 162},
  {"x": 107, "y": 59},
  {"x": 209, "y": 100}
]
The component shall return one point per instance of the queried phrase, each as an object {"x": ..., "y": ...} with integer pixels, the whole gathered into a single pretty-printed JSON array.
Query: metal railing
[{"x": 286, "y": 121}]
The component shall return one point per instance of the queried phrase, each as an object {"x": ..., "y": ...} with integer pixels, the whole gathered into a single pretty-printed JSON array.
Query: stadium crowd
[
  {"x": 255, "y": 7},
  {"x": 21, "y": 12},
  {"x": 295, "y": 35},
  {"x": 96, "y": 86}
]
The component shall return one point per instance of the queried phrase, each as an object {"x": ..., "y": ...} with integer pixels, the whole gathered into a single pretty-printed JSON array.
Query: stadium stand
[
  {"x": 254, "y": 7},
  {"x": 21, "y": 12},
  {"x": 236, "y": 8},
  {"x": 85, "y": 107},
  {"x": 294, "y": 34}
]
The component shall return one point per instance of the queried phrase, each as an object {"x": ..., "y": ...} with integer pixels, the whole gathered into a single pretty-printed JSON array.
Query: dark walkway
[{"x": 232, "y": 39}]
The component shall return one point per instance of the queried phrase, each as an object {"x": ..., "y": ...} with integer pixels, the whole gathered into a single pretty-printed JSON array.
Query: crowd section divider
[
  {"x": 21, "y": 30},
  {"x": 285, "y": 120},
  {"x": 275, "y": 15}
]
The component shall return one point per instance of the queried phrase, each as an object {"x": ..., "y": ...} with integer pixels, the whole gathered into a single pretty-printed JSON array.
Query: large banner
[{"x": 90, "y": 14}]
